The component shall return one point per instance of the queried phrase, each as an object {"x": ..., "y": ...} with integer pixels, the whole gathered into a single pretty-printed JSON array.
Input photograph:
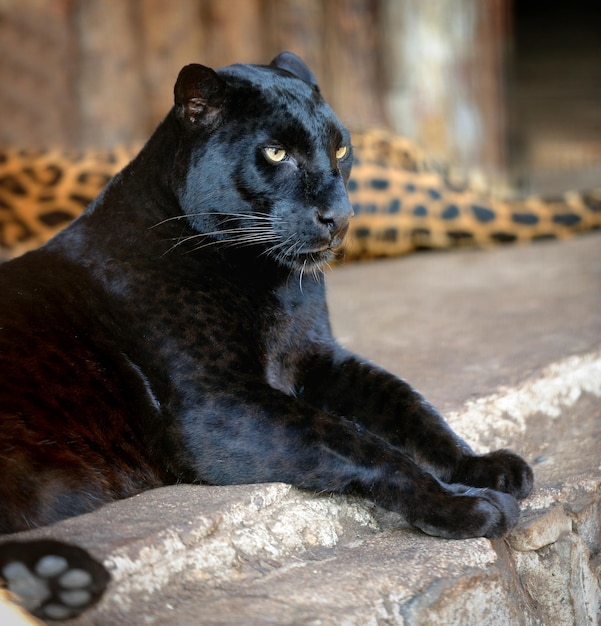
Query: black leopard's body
[{"x": 178, "y": 331}]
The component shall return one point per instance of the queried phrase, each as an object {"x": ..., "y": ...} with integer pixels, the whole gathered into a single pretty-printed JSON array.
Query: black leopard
[{"x": 178, "y": 331}]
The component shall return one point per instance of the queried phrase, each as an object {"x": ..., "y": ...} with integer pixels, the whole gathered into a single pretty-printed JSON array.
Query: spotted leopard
[{"x": 400, "y": 203}]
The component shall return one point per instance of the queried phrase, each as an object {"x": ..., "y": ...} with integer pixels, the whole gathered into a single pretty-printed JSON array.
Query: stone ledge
[
  {"x": 516, "y": 365},
  {"x": 272, "y": 553}
]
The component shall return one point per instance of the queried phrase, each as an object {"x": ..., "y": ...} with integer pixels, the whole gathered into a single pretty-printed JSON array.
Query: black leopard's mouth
[
  {"x": 313, "y": 260},
  {"x": 310, "y": 256}
]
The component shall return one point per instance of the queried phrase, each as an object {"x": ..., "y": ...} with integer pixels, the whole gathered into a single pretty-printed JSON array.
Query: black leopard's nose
[{"x": 335, "y": 219}]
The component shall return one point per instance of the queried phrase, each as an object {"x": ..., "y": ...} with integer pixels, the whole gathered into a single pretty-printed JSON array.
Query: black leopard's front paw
[
  {"x": 51, "y": 579},
  {"x": 501, "y": 470},
  {"x": 466, "y": 512}
]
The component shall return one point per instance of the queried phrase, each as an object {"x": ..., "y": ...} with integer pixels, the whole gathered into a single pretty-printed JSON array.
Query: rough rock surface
[{"x": 508, "y": 343}]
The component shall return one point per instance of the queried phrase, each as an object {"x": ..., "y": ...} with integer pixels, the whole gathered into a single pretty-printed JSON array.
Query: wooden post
[{"x": 445, "y": 79}]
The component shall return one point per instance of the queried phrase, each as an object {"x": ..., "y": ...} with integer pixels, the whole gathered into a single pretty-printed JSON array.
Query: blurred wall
[
  {"x": 100, "y": 72},
  {"x": 470, "y": 80}
]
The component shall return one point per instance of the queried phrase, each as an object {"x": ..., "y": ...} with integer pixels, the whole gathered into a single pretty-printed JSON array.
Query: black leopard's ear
[
  {"x": 199, "y": 93},
  {"x": 295, "y": 65}
]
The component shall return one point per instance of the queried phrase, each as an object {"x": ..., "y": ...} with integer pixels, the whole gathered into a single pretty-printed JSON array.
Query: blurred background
[{"x": 506, "y": 89}]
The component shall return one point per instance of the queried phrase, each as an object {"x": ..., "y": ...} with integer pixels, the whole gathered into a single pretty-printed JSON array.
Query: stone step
[{"x": 508, "y": 343}]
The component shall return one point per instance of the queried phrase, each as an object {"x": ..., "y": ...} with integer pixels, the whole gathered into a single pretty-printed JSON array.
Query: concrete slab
[
  {"x": 459, "y": 325},
  {"x": 508, "y": 343}
]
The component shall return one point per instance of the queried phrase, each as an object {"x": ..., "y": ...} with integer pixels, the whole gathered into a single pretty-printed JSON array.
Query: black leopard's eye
[
  {"x": 341, "y": 152},
  {"x": 275, "y": 154}
]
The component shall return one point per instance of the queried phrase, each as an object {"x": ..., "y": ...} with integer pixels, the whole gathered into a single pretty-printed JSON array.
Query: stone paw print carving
[{"x": 52, "y": 580}]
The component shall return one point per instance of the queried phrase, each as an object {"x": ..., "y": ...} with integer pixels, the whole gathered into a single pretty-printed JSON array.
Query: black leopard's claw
[{"x": 501, "y": 470}]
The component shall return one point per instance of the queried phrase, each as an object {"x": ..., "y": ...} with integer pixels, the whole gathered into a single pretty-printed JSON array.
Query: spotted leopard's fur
[
  {"x": 41, "y": 191},
  {"x": 400, "y": 203}
]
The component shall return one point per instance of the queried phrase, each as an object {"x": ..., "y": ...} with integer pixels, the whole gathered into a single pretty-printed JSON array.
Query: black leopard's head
[{"x": 267, "y": 161}]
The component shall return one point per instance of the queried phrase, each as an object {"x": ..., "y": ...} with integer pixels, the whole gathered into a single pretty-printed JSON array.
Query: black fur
[{"x": 178, "y": 331}]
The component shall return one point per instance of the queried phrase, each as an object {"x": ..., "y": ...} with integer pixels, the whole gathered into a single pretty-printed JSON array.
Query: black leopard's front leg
[
  {"x": 390, "y": 407},
  {"x": 259, "y": 434}
]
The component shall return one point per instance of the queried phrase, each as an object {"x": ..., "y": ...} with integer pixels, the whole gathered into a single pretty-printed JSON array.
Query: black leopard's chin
[
  {"x": 308, "y": 258},
  {"x": 308, "y": 262}
]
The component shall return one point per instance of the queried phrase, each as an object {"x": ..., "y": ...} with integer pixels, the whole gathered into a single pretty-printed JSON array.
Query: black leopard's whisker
[
  {"x": 300, "y": 278},
  {"x": 249, "y": 232},
  {"x": 229, "y": 217},
  {"x": 282, "y": 253},
  {"x": 226, "y": 231},
  {"x": 277, "y": 246},
  {"x": 237, "y": 241},
  {"x": 249, "y": 240},
  {"x": 292, "y": 250}
]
